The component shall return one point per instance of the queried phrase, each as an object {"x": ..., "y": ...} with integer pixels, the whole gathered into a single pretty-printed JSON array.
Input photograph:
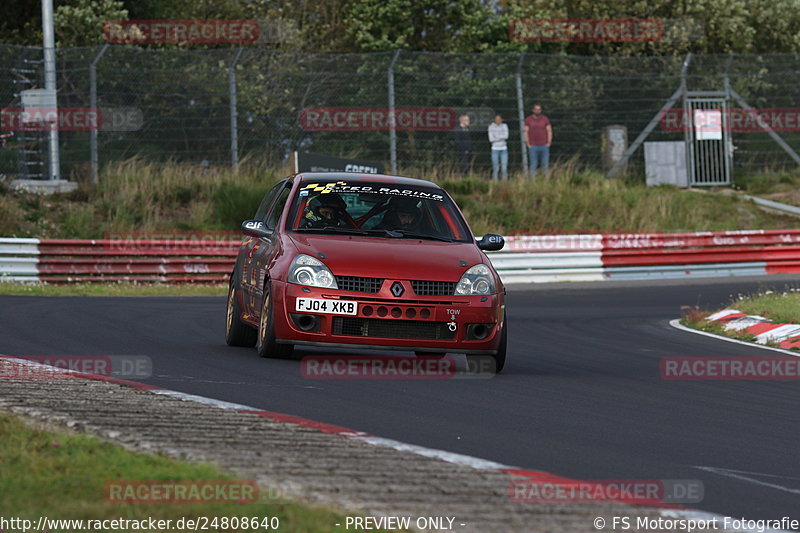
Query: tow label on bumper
[{"x": 325, "y": 306}]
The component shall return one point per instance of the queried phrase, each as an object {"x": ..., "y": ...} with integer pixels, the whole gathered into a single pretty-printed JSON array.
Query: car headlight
[
  {"x": 476, "y": 280},
  {"x": 307, "y": 270}
]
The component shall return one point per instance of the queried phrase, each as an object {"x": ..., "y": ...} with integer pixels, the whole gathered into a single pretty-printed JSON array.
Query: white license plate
[{"x": 325, "y": 306}]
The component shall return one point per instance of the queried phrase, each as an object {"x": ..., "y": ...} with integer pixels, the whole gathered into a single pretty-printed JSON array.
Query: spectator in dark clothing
[{"x": 464, "y": 144}]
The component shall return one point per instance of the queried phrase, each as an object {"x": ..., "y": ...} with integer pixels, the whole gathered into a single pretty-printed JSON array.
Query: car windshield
[{"x": 376, "y": 209}]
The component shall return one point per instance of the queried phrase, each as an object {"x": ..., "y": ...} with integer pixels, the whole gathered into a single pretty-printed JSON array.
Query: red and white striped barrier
[
  {"x": 525, "y": 259},
  {"x": 766, "y": 331},
  {"x": 635, "y": 256}
]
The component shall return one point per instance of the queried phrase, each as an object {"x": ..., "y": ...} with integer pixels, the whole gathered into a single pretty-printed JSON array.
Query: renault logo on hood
[{"x": 397, "y": 289}]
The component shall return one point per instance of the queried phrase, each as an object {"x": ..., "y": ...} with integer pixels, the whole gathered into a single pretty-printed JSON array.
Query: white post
[{"x": 49, "y": 45}]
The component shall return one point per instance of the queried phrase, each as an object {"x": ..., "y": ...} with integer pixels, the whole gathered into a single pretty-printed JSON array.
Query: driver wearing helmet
[{"x": 326, "y": 210}]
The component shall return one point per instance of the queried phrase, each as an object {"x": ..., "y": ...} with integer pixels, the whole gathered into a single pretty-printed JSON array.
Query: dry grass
[{"x": 137, "y": 195}]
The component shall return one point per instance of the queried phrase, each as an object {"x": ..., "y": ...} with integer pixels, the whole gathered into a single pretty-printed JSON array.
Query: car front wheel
[{"x": 266, "y": 345}]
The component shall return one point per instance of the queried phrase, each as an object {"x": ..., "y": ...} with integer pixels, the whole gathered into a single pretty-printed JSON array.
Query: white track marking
[
  {"x": 450, "y": 457},
  {"x": 676, "y": 323},
  {"x": 204, "y": 400},
  {"x": 738, "y": 474}
]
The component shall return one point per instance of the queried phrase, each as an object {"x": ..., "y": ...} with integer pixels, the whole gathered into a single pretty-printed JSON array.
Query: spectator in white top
[{"x": 498, "y": 134}]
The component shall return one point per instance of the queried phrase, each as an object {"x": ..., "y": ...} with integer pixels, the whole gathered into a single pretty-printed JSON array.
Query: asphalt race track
[{"x": 581, "y": 395}]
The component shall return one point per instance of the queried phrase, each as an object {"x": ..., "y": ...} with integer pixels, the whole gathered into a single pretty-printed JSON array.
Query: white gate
[{"x": 709, "y": 149}]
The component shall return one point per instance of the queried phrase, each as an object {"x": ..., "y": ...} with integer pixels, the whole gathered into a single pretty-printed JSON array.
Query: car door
[
  {"x": 249, "y": 248},
  {"x": 267, "y": 248}
]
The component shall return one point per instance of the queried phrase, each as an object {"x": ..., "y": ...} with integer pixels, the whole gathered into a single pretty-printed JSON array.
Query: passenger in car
[{"x": 402, "y": 214}]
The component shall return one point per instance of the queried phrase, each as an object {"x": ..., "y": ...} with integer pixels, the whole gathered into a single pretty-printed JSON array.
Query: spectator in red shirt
[{"x": 538, "y": 136}]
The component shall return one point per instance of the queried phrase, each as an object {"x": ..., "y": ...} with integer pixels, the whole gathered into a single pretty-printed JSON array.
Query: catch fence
[{"x": 225, "y": 105}]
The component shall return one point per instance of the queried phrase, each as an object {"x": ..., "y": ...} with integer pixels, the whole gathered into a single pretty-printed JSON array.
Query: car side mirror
[
  {"x": 491, "y": 242},
  {"x": 256, "y": 228}
]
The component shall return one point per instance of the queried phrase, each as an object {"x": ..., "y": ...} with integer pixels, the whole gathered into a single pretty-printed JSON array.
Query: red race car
[{"x": 365, "y": 261}]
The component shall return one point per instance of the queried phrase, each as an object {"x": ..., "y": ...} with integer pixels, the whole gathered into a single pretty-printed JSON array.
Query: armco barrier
[
  {"x": 525, "y": 259},
  {"x": 164, "y": 260}
]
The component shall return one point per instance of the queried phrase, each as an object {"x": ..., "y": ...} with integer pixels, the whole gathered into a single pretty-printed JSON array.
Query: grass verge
[
  {"x": 112, "y": 289},
  {"x": 777, "y": 306},
  {"x": 136, "y": 195},
  {"x": 64, "y": 476},
  {"x": 780, "y": 185}
]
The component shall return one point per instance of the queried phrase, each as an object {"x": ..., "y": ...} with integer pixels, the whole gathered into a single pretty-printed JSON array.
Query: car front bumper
[{"x": 459, "y": 324}]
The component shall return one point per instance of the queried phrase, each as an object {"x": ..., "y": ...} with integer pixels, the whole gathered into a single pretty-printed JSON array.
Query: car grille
[
  {"x": 433, "y": 288},
  {"x": 359, "y": 284},
  {"x": 391, "y": 329}
]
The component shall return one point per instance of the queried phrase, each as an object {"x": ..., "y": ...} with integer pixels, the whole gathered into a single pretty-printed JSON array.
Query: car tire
[
  {"x": 500, "y": 356},
  {"x": 237, "y": 333},
  {"x": 265, "y": 342}
]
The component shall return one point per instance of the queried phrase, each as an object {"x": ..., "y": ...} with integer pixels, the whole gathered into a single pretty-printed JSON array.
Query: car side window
[
  {"x": 267, "y": 201},
  {"x": 278, "y": 207}
]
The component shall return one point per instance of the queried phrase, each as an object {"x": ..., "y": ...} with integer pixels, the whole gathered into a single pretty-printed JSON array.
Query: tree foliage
[
  {"x": 702, "y": 26},
  {"x": 80, "y": 23}
]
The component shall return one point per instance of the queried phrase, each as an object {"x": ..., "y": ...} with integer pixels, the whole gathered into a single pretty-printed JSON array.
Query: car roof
[{"x": 352, "y": 176}]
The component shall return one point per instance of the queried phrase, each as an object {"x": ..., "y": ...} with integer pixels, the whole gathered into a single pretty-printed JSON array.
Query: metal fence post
[
  {"x": 233, "y": 110},
  {"x": 521, "y": 114},
  {"x": 50, "y": 83},
  {"x": 727, "y": 120},
  {"x": 392, "y": 121},
  {"x": 93, "y": 157},
  {"x": 688, "y": 120}
]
